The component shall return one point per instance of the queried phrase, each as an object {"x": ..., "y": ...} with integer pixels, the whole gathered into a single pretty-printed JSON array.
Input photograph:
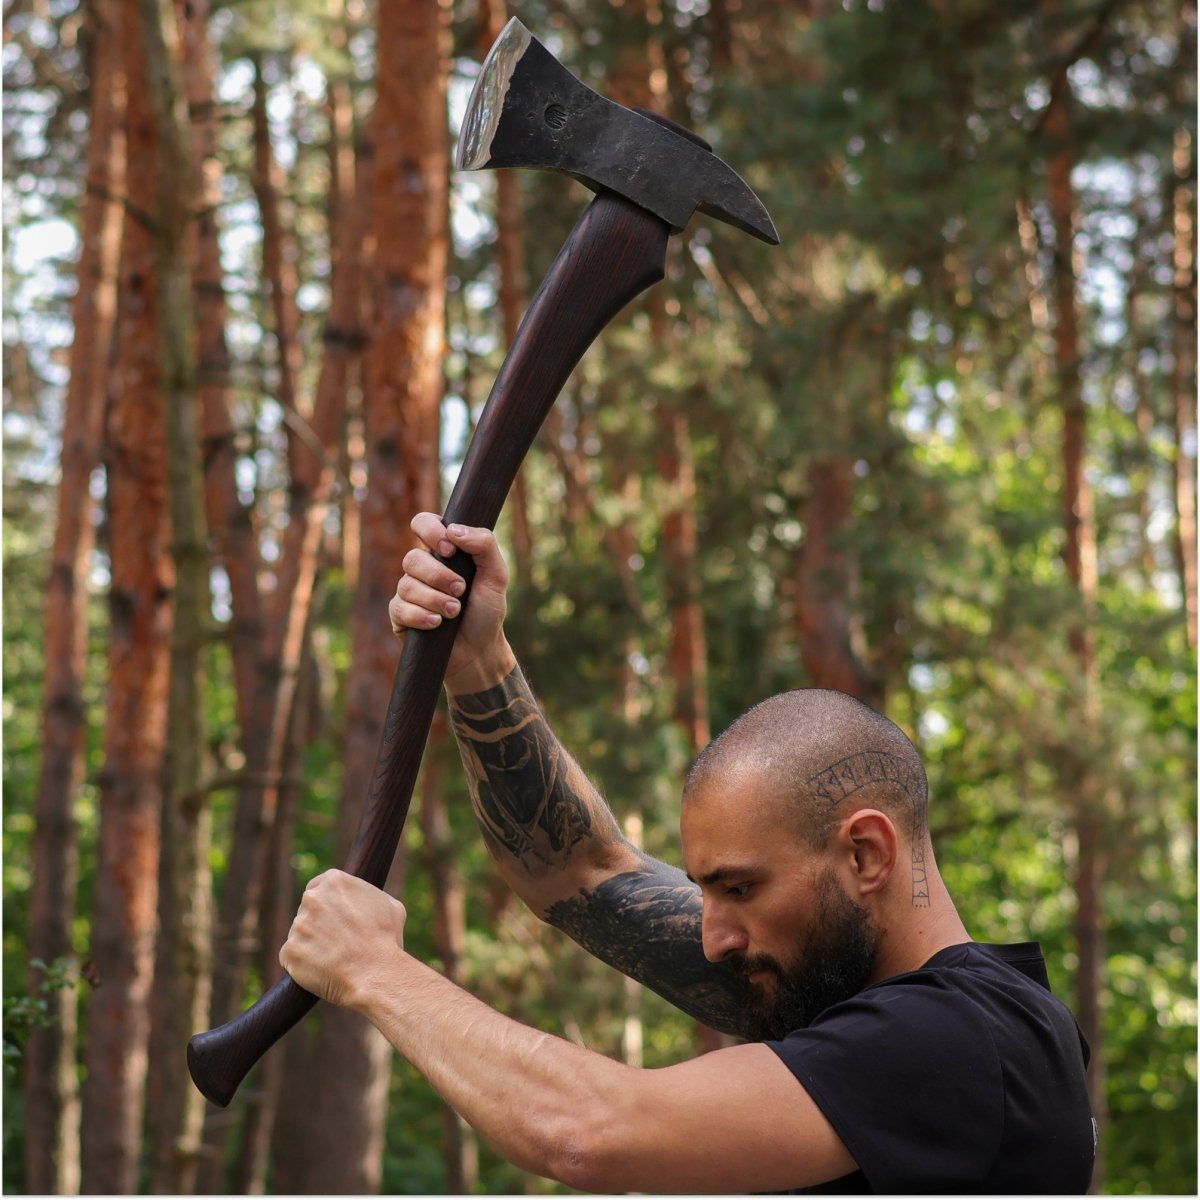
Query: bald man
[{"x": 886, "y": 1051}]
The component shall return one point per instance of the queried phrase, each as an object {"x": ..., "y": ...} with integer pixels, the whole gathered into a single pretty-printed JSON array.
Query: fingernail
[
  {"x": 458, "y": 530},
  {"x": 458, "y": 587},
  {"x": 433, "y": 618},
  {"x": 452, "y": 607},
  {"x": 445, "y": 548}
]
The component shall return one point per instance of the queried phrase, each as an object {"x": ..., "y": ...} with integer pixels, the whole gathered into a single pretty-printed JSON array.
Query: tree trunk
[
  {"x": 401, "y": 409},
  {"x": 279, "y": 262},
  {"x": 183, "y": 972},
  {"x": 688, "y": 653},
  {"x": 1183, "y": 374},
  {"x": 126, "y": 883},
  {"x": 459, "y": 1148},
  {"x": 51, "y": 1078},
  {"x": 279, "y": 906},
  {"x": 1079, "y": 779},
  {"x": 825, "y": 577},
  {"x": 230, "y": 521},
  {"x": 313, "y": 459}
]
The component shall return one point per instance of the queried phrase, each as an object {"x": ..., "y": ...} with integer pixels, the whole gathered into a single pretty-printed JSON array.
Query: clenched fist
[{"x": 343, "y": 939}]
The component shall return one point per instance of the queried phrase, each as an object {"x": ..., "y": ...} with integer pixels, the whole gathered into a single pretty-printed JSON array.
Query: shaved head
[{"x": 825, "y": 754}]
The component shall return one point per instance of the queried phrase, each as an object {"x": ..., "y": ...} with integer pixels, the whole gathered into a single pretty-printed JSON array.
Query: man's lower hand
[{"x": 344, "y": 934}]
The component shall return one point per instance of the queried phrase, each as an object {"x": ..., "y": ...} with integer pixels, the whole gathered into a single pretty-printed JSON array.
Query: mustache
[{"x": 747, "y": 964}]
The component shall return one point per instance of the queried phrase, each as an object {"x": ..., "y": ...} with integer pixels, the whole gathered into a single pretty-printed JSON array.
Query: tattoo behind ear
[{"x": 867, "y": 767}]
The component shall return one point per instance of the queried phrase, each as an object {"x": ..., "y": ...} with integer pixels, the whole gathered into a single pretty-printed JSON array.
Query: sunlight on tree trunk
[
  {"x": 1079, "y": 780},
  {"x": 402, "y": 397},
  {"x": 131, "y": 784},
  {"x": 51, "y": 1080},
  {"x": 183, "y": 969}
]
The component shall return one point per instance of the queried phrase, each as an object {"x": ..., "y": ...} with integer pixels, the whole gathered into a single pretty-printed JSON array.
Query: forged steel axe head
[{"x": 528, "y": 110}]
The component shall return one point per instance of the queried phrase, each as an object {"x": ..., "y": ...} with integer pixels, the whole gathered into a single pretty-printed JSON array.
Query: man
[{"x": 889, "y": 1054}]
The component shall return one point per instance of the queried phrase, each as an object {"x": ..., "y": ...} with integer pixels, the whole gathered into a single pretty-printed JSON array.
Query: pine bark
[
  {"x": 126, "y": 883},
  {"x": 1078, "y": 775},
  {"x": 460, "y": 1151},
  {"x": 402, "y": 400},
  {"x": 1183, "y": 352},
  {"x": 313, "y": 460},
  {"x": 51, "y": 1083},
  {"x": 825, "y": 572},
  {"x": 279, "y": 262},
  {"x": 232, "y": 536},
  {"x": 183, "y": 971}
]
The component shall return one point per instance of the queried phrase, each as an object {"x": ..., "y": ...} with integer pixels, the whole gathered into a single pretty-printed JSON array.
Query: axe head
[{"x": 528, "y": 110}]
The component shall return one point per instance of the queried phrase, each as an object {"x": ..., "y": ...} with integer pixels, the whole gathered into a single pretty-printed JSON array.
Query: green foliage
[
  {"x": 30, "y": 1011},
  {"x": 893, "y": 143}
]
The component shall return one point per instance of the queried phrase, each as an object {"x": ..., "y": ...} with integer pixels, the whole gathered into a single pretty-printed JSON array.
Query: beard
[{"x": 835, "y": 964}]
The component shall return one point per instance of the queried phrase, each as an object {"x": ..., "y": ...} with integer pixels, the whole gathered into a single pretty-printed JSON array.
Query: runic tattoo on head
[
  {"x": 529, "y": 797},
  {"x": 867, "y": 768},
  {"x": 860, "y": 770}
]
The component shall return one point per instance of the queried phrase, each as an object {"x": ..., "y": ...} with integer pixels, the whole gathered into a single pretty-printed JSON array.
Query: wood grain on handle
[{"x": 615, "y": 251}]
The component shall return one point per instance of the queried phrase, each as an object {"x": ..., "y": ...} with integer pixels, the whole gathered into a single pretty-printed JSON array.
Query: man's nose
[{"x": 720, "y": 935}]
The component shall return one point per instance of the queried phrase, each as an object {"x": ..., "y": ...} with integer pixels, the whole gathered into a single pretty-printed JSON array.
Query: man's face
[
  {"x": 833, "y": 963},
  {"x": 775, "y": 910}
]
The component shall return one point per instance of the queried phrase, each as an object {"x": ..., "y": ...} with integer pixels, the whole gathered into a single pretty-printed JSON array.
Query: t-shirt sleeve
[{"x": 911, "y": 1081}]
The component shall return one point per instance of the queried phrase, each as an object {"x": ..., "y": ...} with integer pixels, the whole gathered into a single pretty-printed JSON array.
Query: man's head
[{"x": 794, "y": 822}]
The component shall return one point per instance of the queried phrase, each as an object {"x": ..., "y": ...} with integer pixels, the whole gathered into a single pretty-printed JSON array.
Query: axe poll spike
[{"x": 616, "y": 250}]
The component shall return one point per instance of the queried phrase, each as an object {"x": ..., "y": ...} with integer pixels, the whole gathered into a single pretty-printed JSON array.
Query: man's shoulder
[
  {"x": 975, "y": 1076},
  {"x": 970, "y": 1007},
  {"x": 1005, "y": 985}
]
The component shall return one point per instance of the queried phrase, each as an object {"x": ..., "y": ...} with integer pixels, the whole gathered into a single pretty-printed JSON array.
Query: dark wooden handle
[{"x": 615, "y": 251}]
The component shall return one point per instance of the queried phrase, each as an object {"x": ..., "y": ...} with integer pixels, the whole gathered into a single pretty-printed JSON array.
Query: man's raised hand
[{"x": 429, "y": 592}]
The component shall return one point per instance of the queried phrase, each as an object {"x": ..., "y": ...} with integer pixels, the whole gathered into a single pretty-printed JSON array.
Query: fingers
[
  {"x": 429, "y": 528},
  {"x": 418, "y": 606},
  {"x": 478, "y": 542},
  {"x": 430, "y": 591}
]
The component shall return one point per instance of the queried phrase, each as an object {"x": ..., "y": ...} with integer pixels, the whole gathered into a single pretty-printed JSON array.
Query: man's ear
[{"x": 874, "y": 847}]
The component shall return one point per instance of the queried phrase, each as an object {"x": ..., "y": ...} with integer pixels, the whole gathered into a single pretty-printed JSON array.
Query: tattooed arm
[
  {"x": 559, "y": 847},
  {"x": 552, "y": 836}
]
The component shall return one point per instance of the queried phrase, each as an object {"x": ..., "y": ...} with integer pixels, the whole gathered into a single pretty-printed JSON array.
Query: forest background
[{"x": 937, "y": 449}]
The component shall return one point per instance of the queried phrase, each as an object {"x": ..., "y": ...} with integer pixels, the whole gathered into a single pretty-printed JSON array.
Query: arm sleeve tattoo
[
  {"x": 536, "y": 809},
  {"x": 646, "y": 923},
  {"x": 532, "y": 802}
]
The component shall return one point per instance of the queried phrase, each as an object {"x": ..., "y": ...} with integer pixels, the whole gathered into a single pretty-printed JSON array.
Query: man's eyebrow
[{"x": 718, "y": 875}]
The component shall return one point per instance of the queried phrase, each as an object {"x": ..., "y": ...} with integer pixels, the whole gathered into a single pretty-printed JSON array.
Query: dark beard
[{"x": 835, "y": 964}]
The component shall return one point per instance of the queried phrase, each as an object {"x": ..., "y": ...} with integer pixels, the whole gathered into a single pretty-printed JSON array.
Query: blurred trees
[{"x": 938, "y": 448}]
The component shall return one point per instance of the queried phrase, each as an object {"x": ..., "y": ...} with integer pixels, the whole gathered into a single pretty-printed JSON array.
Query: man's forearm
[
  {"x": 559, "y": 847},
  {"x": 728, "y": 1122},
  {"x": 525, "y": 1092},
  {"x": 538, "y": 812}
]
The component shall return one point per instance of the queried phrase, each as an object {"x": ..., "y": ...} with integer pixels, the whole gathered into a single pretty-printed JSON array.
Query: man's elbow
[{"x": 587, "y": 1154}]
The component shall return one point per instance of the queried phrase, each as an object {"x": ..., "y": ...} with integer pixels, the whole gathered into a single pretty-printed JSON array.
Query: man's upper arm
[
  {"x": 645, "y": 921},
  {"x": 733, "y": 1121},
  {"x": 560, "y": 848}
]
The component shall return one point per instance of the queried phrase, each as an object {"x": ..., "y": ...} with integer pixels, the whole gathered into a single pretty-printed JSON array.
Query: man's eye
[{"x": 737, "y": 890}]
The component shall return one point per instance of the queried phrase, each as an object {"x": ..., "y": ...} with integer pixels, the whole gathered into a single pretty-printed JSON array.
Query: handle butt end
[
  {"x": 221, "y": 1058},
  {"x": 204, "y": 1068}
]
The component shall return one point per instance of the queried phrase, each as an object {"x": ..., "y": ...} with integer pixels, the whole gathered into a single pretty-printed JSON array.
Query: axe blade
[{"x": 528, "y": 110}]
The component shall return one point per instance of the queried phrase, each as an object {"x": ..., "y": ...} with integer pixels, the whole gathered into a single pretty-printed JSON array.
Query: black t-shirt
[{"x": 965, "y": 1076}]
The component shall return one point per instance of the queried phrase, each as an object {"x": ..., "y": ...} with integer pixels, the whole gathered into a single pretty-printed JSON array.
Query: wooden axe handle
[{"x": 615, "y": 251}]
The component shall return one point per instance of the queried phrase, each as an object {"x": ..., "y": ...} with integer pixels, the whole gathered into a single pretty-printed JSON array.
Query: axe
[{"x": 650, "y": 176}]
